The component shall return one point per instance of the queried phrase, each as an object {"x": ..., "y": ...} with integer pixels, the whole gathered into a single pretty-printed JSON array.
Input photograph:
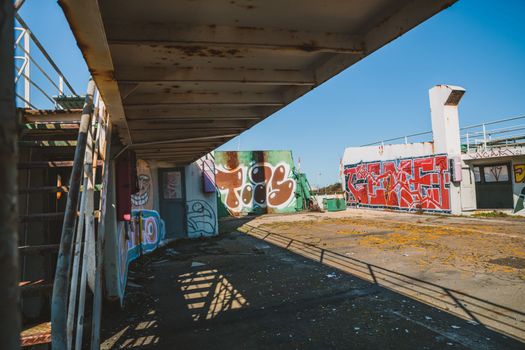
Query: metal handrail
[
  {"x": 496, "y": 131},
  {"x": 474, "y": 139},
  {"x": 59, "y": 308},
  {"x": 398, "y": 138},
  {"x": 467, "y": 135},
  {"x": 24, "y": 70},
  {"x": 492, "y": 122},
  {"x": 45, "y": 53}
]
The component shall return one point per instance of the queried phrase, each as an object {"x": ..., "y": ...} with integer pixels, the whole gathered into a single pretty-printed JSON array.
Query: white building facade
[{"x": 459, "y": 170}]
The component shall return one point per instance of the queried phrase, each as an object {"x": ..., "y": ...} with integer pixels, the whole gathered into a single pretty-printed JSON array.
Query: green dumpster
[{"x": 334, "y": 204}]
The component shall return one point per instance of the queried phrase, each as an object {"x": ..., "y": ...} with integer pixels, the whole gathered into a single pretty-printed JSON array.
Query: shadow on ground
[{"x": 264, "y": 291}]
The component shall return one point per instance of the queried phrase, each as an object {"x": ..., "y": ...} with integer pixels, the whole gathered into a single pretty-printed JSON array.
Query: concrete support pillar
[
  {"x": 9, "y": 291},
  {"x": 444, "y": 101}
]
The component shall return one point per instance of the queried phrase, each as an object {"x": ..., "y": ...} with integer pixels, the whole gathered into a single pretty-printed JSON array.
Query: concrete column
[
  {"x": 9, "y": 291},
  {"x": 444, "y": 101}
]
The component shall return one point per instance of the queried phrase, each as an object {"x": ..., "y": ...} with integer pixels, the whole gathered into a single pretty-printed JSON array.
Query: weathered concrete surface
[
  {"x": 240, "y": 292},
  {"x": 471, "y": 267}
]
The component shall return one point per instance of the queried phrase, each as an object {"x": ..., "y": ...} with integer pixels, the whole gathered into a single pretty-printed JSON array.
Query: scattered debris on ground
[{"x": 279, "y": 298}]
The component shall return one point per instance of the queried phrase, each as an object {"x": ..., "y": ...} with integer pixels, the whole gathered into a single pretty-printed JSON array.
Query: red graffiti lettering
[{"x": 411, "y": 184}]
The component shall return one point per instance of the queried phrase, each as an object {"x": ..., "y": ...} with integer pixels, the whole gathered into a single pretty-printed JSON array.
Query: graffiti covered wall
[
  {"x": 519, "y": 187},
  {"x": 412, "y": 184},
  {"x": 141, "y": 235},
  {"x": 201, "y": 202},
  {"x": 256, "y": 182},
  {"x": 143, "y": 199}
]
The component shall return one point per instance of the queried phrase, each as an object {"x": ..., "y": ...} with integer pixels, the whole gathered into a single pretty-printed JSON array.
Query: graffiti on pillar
[
  {"x": 201, "y": 219},
  {"x": 519, "y": 173},
  {"x": 256, "y": 182},
  {"x": 520, "y": 204},
  {"x": 143, "y": 199},
  {"x": 412, "y": 184},
  {"x": 141, "y": 235}
]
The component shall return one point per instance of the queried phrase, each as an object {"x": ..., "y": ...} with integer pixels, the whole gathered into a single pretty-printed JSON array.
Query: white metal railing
[
  {"x": 508, "y": 132},
  {"x": 406, "y": 139},
  {"x": 36, "y": 71},
  {"x": 79, "y": 265}
]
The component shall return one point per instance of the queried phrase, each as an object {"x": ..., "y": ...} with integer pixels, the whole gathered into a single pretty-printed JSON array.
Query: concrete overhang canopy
[{"x": 180, "y": 78}]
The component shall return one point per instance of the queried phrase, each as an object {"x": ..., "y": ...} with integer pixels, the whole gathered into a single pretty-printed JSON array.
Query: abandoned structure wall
[
  {"x": 438, "y": 176},
  {"x": 147, "y": 229},
  {"x": 201, "y": 201},
  {"x": 498, "y": 179},
  {"x": 403, "y": 177},
  {"x": 255, "y": 182}
]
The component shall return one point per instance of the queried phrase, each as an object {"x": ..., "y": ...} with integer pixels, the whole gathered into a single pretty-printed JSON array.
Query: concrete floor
[{"x": 315, "y": 281}]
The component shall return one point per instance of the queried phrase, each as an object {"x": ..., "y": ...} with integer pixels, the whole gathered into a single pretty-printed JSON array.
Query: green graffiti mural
[{"x": 256, "y": 182}]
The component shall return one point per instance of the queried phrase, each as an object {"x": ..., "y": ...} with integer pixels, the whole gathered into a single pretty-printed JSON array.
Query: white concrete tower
[{"x": 444, "y": 101}]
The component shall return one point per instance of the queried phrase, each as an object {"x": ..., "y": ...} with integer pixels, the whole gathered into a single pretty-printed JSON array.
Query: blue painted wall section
[{"x": 141, "y": 235}]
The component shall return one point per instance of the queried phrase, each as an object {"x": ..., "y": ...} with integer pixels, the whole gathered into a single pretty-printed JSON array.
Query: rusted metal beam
[
  {"x": 60, "y": 290},
  {"x": 58, "y": 116},
  {"x": 186, "y": 124},
  {"x": 133, "y": 122},
  {"x": 225, "y": 41},
  {"x": 169, "y": 141},
  {"x": 206, "y": 104},
  {"x": 177, "y": 147},
  {"x": 85, "y": 20},
  {"x": 176, "y": 135},
  {"x": 175, "y": 111},
  {"x": 96, "y": 317},
  {"x": 250, "y": 76},
  {"x": 9, "y": 291},
  {"x": 204, "y": 97}
]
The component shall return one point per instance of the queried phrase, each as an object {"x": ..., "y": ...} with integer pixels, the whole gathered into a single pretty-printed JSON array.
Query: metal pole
[
  {"x": 27, "y": 81},
  {"x": 44, "y": 52},
  {"x": 61, "y": 85},
  {"x": 18, "y": 4},
  {"x": 88, "y": 236},
  {"x": 97, "y": 299},
  {"x": 60, "y": 286},
  {"x": 9, "y": 292},
  {"x": 484, "y": 137},
  {"x": 468, "y": 143}
]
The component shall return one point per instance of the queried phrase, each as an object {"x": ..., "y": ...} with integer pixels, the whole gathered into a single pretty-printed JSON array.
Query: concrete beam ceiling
[{"x": 204, "y": 71}]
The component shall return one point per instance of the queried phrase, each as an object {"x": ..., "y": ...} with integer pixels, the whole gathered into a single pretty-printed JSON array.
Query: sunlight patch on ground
[{"x": 209, "y": 293}]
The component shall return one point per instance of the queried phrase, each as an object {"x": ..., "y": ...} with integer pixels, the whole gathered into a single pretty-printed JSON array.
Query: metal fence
[
  {"x": 507, "y": 132},
  {"x": 37, "y": 73},
  {"x": 406, "y": 139}
]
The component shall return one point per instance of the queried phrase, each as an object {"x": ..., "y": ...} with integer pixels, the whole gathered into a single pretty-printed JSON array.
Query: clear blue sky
[{"x": 477, "y": 44}]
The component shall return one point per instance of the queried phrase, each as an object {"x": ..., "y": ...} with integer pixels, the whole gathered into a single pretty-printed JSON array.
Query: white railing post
[
  {"x": 27, "y": 83},
  {"x": 484, "y": 137},
  {"x": 61, "y": 85},
  {"x": 406, "y": 140}
]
